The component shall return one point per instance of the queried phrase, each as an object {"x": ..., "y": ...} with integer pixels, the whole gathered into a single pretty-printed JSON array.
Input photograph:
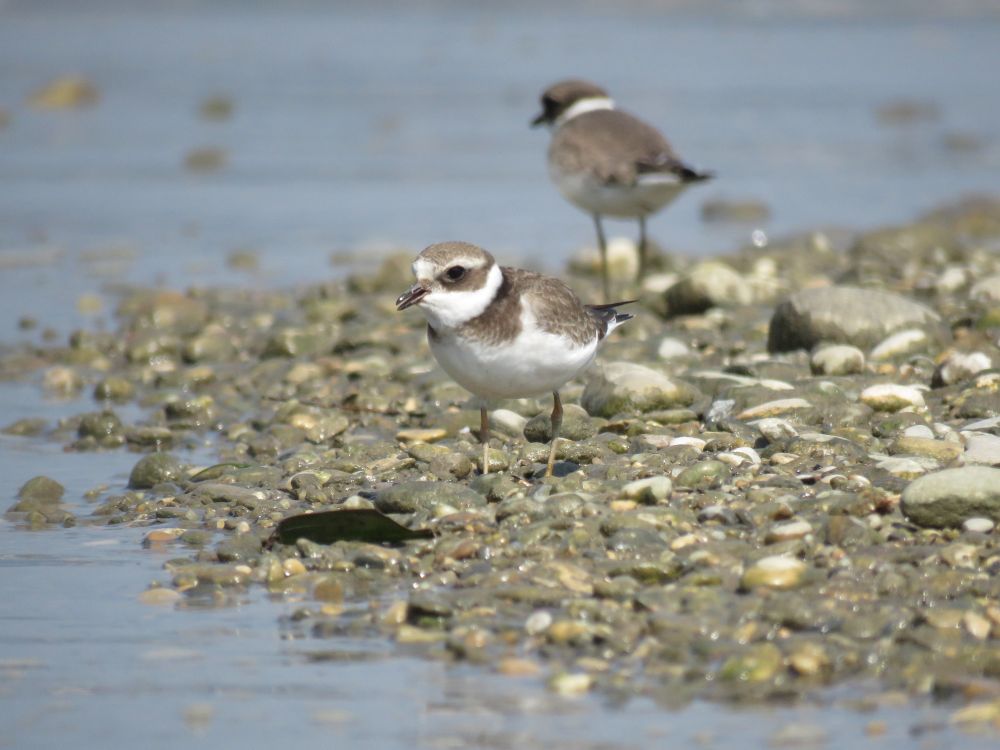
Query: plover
[
  {"x": 608, "y": 162},
  {"x": 503, "y": 332}
]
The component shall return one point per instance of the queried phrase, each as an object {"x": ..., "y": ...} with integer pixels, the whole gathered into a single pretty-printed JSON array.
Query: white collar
[{"x": 579, "y": 107}]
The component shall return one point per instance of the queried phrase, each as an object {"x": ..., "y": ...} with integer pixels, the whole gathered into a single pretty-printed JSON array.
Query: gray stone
[
  {"x": 708, "y": 284},
  {"x": 837, "y": 359},
  {"x": 959, "y": 366},
  {"x": 848, "y": 315},
  {"x": 576, "y": 425},
  {"x": 153, "y": 469},
  {"x": 410, "y": 497},
  {"x": 625, "y": 387},
  {"x": 982, "y": 449},
  {"x": 901, "y": 344},
  {"x": 946, "y": 499}
]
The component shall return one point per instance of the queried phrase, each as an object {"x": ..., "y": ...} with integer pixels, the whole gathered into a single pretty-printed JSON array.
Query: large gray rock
[
  {"x": 709, "y": 284},
  {"x": 847, "y": 315},
  {"x": 626, "y": 387},
  {"x": 946, "y": 499}
]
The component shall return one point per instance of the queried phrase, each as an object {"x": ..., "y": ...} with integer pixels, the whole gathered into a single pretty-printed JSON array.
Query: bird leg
[
  {"x": 642, "y": 249},
  {"x": 557, "y": 415},
  {"x": 602, "y": 247},
  {"x": 484, "y": 435}
]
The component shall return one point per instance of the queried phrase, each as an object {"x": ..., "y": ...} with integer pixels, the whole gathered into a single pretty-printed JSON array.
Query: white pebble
[{"x": 979, "y": 525}]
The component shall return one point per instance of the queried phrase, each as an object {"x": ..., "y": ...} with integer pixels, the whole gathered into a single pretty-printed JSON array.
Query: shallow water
[{"x": 357, "y": 128}]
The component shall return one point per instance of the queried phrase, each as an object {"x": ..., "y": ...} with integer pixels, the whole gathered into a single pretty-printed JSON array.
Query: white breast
[
  {"x": 650, "y": 193},
  {"x": 535, "y": 362}
]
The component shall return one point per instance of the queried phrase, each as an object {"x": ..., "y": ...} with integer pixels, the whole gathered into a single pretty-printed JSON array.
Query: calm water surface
[{"x": 359, "y": 128}]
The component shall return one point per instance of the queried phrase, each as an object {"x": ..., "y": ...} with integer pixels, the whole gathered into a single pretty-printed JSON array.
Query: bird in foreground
[
  {"x": 504, "y": 332},
  {"x": 608, "y": 162}
]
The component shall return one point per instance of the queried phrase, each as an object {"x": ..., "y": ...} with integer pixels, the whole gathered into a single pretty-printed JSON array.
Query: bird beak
[
  {"x": 411, "y": 296},
  {"x": 539, "y": 120}
]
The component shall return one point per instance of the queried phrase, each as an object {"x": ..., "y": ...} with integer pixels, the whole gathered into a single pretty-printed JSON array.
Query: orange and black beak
[{"x": 411, "y": 296}]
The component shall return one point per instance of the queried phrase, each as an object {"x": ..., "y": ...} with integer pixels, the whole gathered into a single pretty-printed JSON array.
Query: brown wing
[
  {"x": 555, "y": 306},
  {"x": 614, "y": 146}
]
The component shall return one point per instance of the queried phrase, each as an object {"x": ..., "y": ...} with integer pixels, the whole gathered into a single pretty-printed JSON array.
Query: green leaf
[{"x": 354, "y": 525}]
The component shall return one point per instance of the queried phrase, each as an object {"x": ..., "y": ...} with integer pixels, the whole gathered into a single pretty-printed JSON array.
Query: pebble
[
  {"x": 507, "y": 422},
  {"x": 783, "y": 532},
  {"x": 979, "y": 525},
  {"x": 623, "y": 387},
  {"x": 774, "y": 408},
  {"x": 891, "y": 397},
  {"x": 837, "y": 359},
  {"x": 708, "y": 284},
  {"x": 571, "y": 684},
  {"x": 900, "y": 344},
  {"x": 421, "y": 435},
  {"x": 946, "y": 499},
  {"x": 959, "y": 366},
  {"x": 672, "y": 348},
  {"x": 650, "y": 490},
  {"x": 775, "y": 572},
  {"x": 982, "y": 449}
]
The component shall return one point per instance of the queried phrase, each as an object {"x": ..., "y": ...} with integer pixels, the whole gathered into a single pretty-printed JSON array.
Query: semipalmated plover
[
  {"x": 504, "y": 332},
  {"x": 608, "y": 162}
]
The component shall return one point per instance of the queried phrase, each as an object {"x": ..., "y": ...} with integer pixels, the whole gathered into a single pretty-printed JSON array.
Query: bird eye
[{"x": 455, "y": 272}]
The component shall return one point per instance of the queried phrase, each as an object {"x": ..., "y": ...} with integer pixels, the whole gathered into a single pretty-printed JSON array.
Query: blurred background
[{"x": 262, "y": 143}]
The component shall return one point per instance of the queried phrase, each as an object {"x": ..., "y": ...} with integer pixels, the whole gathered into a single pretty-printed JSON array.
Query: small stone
[
  {"x": 708, "y": 284},
  {"x": 27, "y": 427},
  {"x": 982, "y": 449},
  {"x": 160, "y": 596},
  {"x": 959, "y": 366},
  {"x": 837, "y": 359},
  {"x": 622, "y": 387},
  {"x": 776, "y": 572},
  {"x": 978, "y": 525},
  {"x": 775, "y": 429},
  {"x": 977, "y": 626},
  {"x": 671, "y": 348},
  {"x": 703, "y": 475},
  {"x": 513, "y": 666},
  {"x": 161, "y": 536},
  {"x": 507, "y": 422},
  {"x": 67, "y": 92},
  {"x": 774, "y": 408},
  {"x": 41, "y": 489},
  {"x": 62, "y": 380},
  {"x": 783, "y": 532},
  {"x": 154, "y": 469},
  {"x": 948, "y": 498},
  {"x": 205, "y": 159},
  {"x": 940, "y": 450},
  {"x": 758, "y": 662},
  {"x": 577, "y": 425},
  {"x": 421, "y": 435},
  {"x": 900, "y": 344},
  {"x": 293, "y": 567},
  {"x": 650, "y": 490},
  {"x": 809, "y": 659},
  {"x": 571, "y": 684},
  {"x": 538, "y": 622},
  {"x": 891, "y": 397}
]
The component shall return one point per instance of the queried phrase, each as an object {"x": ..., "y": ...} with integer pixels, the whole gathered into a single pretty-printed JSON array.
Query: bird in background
[
  {"x": 608, "y": 162},
  {"x": 504, "y": 332}
]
